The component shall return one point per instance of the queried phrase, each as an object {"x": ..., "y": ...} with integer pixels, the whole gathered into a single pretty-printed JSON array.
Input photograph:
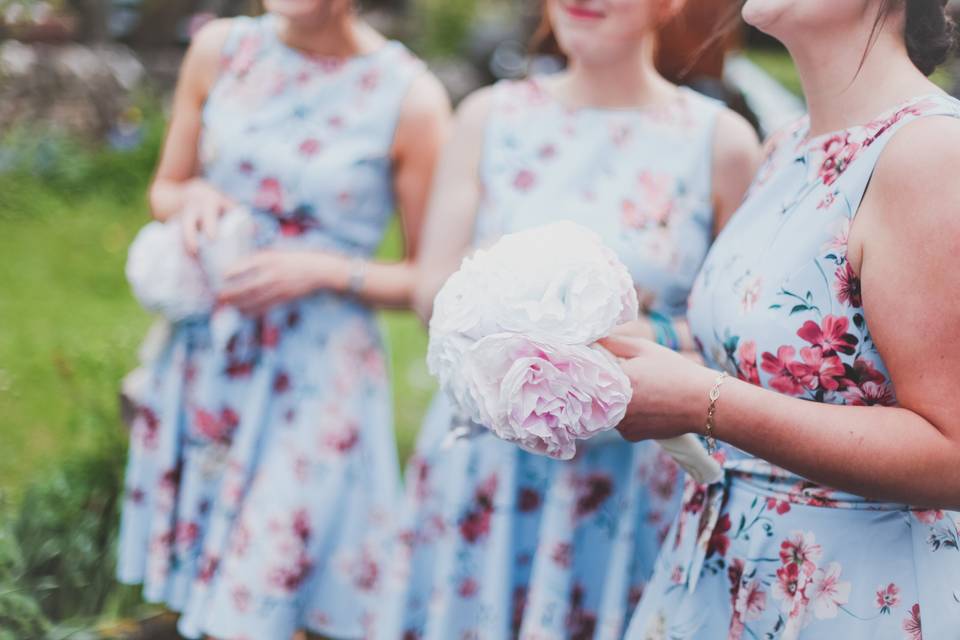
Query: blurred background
[{"x": 84, "y": 88}]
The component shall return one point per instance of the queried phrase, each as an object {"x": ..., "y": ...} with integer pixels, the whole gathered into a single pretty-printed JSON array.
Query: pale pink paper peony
[{"x": 544, "y": 397}]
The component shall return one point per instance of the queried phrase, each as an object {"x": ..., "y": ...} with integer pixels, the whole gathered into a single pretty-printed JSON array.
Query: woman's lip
[{"x": 582, "y": 12}]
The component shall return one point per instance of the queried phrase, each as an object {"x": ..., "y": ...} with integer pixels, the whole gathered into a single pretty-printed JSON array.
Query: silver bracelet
[{"x": 358, "y": 274}]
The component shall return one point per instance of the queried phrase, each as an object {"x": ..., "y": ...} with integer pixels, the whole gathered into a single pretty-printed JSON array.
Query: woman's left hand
[
  {"x": 670, "y": 391},
  {"x": 270, "y": 278}
]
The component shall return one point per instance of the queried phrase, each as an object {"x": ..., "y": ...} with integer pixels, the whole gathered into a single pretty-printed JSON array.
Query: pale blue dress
[
  {"x": 263, "y": 469},
  {"x": 498, "y": 543},
  {"x": 766, "y": 554}
]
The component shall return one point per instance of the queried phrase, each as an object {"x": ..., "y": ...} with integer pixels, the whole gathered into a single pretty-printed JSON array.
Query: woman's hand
[
  {"x": 670, "y": 391},
  {"x": 203, "y": 206},
  {"x": 270, "y": 278}
]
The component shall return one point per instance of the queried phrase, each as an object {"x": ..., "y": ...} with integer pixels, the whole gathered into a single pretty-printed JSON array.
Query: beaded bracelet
[{"x": 357, "y": 276}]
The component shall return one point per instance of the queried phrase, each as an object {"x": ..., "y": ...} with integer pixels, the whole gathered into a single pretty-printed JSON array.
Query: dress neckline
[
  {"x": 272, "y": 27},
  {"x": 679, "y": 98},
  {"x": 806, "y": 142}
]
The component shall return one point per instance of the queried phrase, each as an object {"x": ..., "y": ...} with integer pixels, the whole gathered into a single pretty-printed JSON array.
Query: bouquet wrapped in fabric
[
  {"x": 513, "y": 342},
  {"x": 168, "y": 281}
]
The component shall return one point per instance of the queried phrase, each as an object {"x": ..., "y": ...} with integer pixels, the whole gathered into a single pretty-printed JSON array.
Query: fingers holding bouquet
[
  {"x": 668, "y": 387},
  {"x": 513, "y": 340},
  {"x": 204, "y": 205}
]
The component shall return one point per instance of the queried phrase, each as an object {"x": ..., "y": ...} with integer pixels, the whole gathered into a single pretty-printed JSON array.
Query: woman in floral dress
[
  {"x": 497, "y": 542},
  {"x": 262, "y": 468},
  {"x": 829, "y": 302}
]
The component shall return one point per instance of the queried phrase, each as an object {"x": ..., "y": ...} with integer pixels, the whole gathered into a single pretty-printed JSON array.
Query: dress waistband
[{"x": 702, "y": 505}]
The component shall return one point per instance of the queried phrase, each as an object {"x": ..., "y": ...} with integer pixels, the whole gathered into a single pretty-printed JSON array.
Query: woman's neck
[
  {"x": 841, "y": 92},
  {"x": 335, "y": 37},
  {"x": 630, "y": 82}
]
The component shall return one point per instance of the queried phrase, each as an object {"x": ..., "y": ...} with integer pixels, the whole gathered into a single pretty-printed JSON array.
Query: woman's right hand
[{"x": 202, "y": 208}]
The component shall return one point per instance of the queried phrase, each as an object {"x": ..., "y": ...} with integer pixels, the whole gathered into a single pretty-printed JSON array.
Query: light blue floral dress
[
  {"x": 767, "y": 554},
  {"x": 263, "y": 470},
  {"x": 500, "y": 543}
]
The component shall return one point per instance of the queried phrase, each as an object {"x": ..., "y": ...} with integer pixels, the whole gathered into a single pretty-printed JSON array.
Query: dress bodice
[
  {"x": 305, "y": 141},
  {"x": 641, "y": 178},
  {"x": 777, "y": 303}
]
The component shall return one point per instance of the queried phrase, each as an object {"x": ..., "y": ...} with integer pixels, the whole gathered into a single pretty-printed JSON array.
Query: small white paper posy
[
  {"x": 512, "y": 342},
  {"x": 168, "y": 281}
]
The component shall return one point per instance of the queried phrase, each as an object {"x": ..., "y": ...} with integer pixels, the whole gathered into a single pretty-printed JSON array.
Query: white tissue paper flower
[
  {"x": 168, "y": 281},
  {"x": 512, "y": 342}
]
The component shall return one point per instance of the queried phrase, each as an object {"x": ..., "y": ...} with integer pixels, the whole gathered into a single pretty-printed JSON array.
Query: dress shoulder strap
[{"x": 846, "y": 161}]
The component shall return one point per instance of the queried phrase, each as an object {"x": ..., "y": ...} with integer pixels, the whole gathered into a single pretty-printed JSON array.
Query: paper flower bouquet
[
  {"x": 512, "y": 341},
  {"x": 168, "y": 281}
]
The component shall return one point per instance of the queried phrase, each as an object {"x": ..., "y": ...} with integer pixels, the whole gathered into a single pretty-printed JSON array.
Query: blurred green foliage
[{"x": 443, "y": 26}]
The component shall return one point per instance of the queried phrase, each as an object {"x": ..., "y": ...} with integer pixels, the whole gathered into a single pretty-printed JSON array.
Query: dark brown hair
[{"x": 928, "y": 31}]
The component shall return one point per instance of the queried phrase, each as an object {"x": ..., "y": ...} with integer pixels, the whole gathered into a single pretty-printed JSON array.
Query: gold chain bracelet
[{"x": 712, "y": 410}]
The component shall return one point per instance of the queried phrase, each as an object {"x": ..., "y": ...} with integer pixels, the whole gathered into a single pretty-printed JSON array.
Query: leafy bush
[
  {"x": 444, "y": 26},
  {"x": 20, "y": 615}
]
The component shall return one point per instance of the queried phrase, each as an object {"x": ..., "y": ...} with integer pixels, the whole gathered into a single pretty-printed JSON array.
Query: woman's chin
[
  {"x": 765, "y": 14},
  {"x": 297, "y": 9}
]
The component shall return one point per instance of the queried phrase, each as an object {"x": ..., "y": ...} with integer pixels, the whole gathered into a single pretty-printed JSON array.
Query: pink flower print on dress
[
  {"x": 747, "y": 362},
  {"x": 751, "y": 294},
  {"x": 270, "y": 196},
  {"x": 751, "y": 601},
  {"x": 912, "y": 624},
  {"x": 822, "y": 372},
  {"x": 847, "y": 286},
  {"x": 620, "y": 135},
  {"x": 719, "y": 540},
  {"x": 802, "y": 550},
  {"x": 888, "y": 597},
  {"x": 827, "y": 592},
  {"x": 310, "y": 147},
  {"x": 592, "y": 492},
  {"x": 870, "y": 394},
  {"x": 147, "y": 427},
  {"x": 468, "y": 588},
  {"x": 370, "y": 80},
  {"x": 788, "y": 375},
  {"x": 528, "y": 500},
  {"x": 524, "y": 180},
  {"x": 930, "y": 516},
  {"x": 344, "y": 440},
  {"x": 475, "y": 523},
  {"x": 831, "y": 335},
  {"x": 561, "y": 555},
  {"x": 366, "y": 572},
  {"x": 657, "y": 192},
  {"x": 216, "y": 427},
  {"x": 839, "y": 151},
  {"x": 245, "y": 55}
]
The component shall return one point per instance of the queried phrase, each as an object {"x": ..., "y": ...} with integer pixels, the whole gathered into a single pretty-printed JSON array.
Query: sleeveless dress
[
  {"x": 262, "y": 469},
  {"x": 500, "y": 543},
  {"x": 765, "y": 553}
]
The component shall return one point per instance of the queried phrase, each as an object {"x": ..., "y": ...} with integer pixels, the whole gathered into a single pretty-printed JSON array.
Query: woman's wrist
[
  {"x": 330, "y": 273},
  {"x": 702, "y": 383}
]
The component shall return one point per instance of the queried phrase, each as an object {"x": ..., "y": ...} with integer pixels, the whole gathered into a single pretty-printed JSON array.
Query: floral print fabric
[
  {"x": 767, "y": 554},
  {"x": 498, "y": 543},
  {"x": 262, "y": 469}
]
